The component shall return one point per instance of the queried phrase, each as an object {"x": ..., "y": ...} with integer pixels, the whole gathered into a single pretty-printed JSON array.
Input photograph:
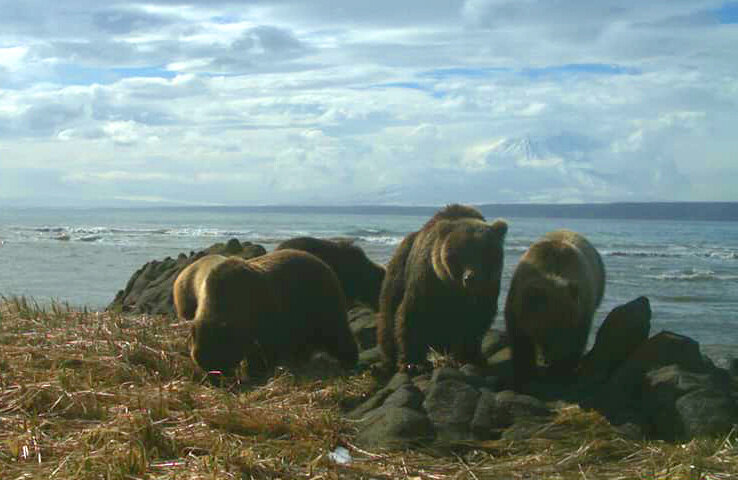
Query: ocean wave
[
  {"x": 86, "y": 230},
  {"x": 270, "y": 240},
  {"x": 693, "y": 275},
  {"x": 381, "y": 240},
  {"x": 89, "y": 238},
  {"x": 641, "y": 254},
  {"x": 721, "y": 255},
  {"x": 371, "y": 232}
]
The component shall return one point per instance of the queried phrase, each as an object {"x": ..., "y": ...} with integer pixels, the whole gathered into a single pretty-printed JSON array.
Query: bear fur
[
  {"x": 554, "y": 292},
  {"x": 360, "y": 278},
  {"x": 441, "y": 288},
  {"x": 275, "y": 309}
]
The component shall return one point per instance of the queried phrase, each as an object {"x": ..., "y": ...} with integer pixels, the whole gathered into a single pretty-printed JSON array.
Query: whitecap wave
[
  {"x": 90, "y": 238},
  {"x": 371, "y": 232},
  {"x": 381, "y": 240},
  {"x": 722, "y": 255},
  {"x": 641, "y": 254},
  {"x": 693, "y": 275}
]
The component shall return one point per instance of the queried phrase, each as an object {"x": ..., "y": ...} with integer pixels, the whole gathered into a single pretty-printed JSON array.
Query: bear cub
[{"x": 556, "y": 288}]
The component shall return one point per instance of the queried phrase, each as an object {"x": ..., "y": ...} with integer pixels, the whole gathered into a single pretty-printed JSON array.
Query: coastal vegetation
[{"x": 86, "y": 394}]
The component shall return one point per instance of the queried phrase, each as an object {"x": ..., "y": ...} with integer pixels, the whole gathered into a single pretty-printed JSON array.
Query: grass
[{"x": 100, "y": 395}]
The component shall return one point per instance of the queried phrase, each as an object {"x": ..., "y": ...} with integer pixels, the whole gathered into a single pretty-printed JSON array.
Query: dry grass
[{"x": 102, "y": 395}]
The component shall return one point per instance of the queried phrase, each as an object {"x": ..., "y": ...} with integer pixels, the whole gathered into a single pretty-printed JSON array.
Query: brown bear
[
  {"x": 360, "y": 278},
  {"x": 275, "y": 309},
  {"x": 554, "y": 292},
  {"x": 441, "y": 288}
]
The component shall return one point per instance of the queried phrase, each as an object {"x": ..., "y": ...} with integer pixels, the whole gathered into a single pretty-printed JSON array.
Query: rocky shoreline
[{"x": 663, "y": 386}]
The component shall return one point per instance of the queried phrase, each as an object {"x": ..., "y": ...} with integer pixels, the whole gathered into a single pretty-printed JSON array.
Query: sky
[{"x": 342, "y": 102}]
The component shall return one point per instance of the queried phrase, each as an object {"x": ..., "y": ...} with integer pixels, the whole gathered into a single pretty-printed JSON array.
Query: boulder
[
  {"x": 459, "y": 405},
  {"x": 149, "y": 289},
  {"x": 393, "y": 417},
  {"x": 363, "y": 324},
  {"x": 671, "y": 390},
  {"x": 377, "y": 400},
  {"x": 626, "y": 327},
  {"x": 450, "y": 405},
  {"x": 680, "y": 405},
  {"x": 498, "y": 411},
  {"x": 395, "y": 427},
  {"x": 665, "y": 348}
]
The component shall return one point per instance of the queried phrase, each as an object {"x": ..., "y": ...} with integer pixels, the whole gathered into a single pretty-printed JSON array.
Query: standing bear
[
  {"x": 554, "y": 292},
  {"x": 441, "y": 288},
  {"x": 360, "y": 278},
  {"x": 275, "y": 309}
]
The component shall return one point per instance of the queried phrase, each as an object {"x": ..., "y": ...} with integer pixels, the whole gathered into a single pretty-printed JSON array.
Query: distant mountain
[{"x": 714, "y": 211}]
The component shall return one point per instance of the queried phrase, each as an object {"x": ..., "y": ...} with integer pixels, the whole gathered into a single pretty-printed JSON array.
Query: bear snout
[{"x": 475, "y": 283}]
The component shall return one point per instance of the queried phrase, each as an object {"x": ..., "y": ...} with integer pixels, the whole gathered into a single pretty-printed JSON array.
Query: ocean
[{"x": 688, "y": 269}]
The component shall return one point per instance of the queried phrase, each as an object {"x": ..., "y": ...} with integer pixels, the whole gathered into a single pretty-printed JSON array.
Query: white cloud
[{"x": 283, "y": 101}]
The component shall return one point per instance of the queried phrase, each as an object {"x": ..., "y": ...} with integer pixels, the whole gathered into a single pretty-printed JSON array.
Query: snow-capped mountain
[{"x": 520, "y": 152}]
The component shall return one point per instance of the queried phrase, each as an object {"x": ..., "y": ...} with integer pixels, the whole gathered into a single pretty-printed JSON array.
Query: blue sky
[{"x": 230, "y": 102}]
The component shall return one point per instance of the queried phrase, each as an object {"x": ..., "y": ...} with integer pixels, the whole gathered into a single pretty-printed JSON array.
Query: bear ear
[{"x": 499, "y": 227}]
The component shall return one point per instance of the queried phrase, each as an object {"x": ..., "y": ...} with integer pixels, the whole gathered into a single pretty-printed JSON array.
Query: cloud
[
  {"x": 120, "y": 20},
  {"x": 284, "y": 101}
]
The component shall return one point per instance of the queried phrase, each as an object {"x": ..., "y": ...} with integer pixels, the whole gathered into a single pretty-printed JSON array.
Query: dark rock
[
  {"x": 399, "y": 379},
  {"x": 483, "y": 424},
  {"x": 233, "y": 246},
  {"x": 447, "y": 373},
  {"x": 471, "y": 370},
  {"x": 422, "y": 382},
  {"x": 407, "y": 395},
  {"x": 509, "y": 408},
  {"x": 478, "y": 377},
  {"x": 466, "y": 375},
  {"x": 149, "y": 289},
  {"x": 707, "y": 412},
  {"x": 377, "y": 400},
  {"x": 450, "y": 405},
  {"x": 363, "y": 324},
  {"x": 679, "y": 405},
  {"x": 626, "y": 327},
  {"x": 395, "y": 427},
  {"x": 665, "y": 348},
  {"x": 513, "y": 415},
  {"x": 372, "y": 403}
]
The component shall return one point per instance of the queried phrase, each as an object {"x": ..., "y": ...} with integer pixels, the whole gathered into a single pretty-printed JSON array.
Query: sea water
[{"x": 689, "y": 270}]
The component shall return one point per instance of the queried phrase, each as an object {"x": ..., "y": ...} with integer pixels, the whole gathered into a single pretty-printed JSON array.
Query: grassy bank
[{"x": 103, "y": 395}]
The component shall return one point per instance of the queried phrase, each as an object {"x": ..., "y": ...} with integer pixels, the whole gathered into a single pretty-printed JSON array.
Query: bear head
[
  {"x": 362, "y": 277},
  {"x": 216, "y": 346},
  {"x": 470, "y": 256},
  {"x": 551, "y": 314}
]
